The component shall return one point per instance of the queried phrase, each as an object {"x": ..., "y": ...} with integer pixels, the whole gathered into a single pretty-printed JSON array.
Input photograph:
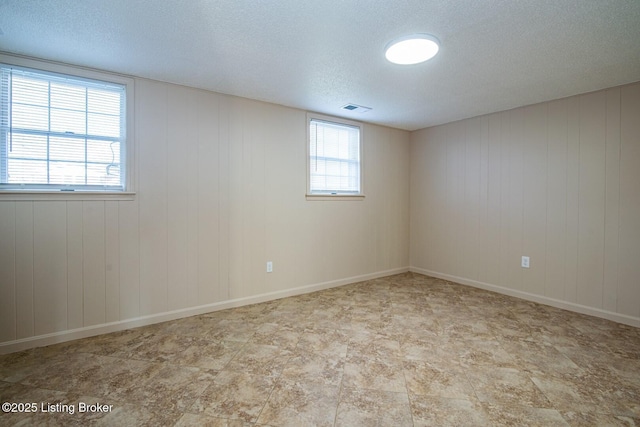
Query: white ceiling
[{"x": 319, "y": 55}]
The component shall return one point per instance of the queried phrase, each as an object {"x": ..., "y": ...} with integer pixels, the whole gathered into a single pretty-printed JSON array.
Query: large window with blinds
[
  {"x": 334, "y": 157},
  {"x": 60, "y": 132}
]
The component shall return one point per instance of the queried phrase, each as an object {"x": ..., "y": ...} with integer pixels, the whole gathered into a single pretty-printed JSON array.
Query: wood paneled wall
[
  {"x": 220, "y": 191},
  {"x": 558, "y": 182},
  {"x": 221, "y": 187}
]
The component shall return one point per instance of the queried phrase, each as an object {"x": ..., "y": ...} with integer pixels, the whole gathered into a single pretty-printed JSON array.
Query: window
[
  {"x": 61, "y": 132},
  {"x": 334, "y": 158}
]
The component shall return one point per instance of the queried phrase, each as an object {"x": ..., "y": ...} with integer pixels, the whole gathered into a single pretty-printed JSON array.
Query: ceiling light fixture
[{"x": 412, "y": 49}]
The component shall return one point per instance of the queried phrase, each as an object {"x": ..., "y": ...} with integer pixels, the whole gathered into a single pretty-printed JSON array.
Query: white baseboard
[
  {"x": 73, "y": 334},
  {"x": 578, "y": 308}
]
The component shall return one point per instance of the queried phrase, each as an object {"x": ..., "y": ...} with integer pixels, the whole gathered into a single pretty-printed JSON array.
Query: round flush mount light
[{"x": 412, "y": 49}]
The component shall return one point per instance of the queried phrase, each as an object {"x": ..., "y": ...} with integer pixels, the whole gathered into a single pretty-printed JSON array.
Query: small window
[
  {"x": 60, "y": 132},
  {"x": 334, "y": 160}
]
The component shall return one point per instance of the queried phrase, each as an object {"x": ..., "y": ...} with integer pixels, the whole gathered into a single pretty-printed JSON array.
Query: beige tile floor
[{"x": 405, "y": 350}]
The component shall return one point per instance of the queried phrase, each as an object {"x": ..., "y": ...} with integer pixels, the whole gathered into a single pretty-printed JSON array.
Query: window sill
[
  {"x": 64, "y": 195},
  {"x": 335, "y": 197}
]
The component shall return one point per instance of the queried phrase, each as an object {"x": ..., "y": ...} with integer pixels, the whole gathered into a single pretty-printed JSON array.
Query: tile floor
[{"x": 405, "y": 350}]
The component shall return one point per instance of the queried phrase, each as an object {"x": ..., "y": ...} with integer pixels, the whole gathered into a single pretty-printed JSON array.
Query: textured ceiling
[{"x": 319, "y": 55}]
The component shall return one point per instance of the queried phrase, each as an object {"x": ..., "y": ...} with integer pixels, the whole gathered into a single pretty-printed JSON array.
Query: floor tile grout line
[
  {"x": 520, "y": 314},
  {"x": 406, "y": 385},
  {"x": 339, "y": 399}
]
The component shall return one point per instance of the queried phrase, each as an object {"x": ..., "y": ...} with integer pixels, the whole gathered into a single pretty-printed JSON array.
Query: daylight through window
[
  {"x": 334, "y": 158},
  {"x": 60, "y": 132}
]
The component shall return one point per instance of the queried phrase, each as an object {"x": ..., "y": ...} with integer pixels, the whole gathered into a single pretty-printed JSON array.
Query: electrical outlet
[
  {"x": 525, "y": 262},
  {"x": 269, "y": 267}
]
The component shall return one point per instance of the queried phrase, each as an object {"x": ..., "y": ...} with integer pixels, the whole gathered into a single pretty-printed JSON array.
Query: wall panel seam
[
  {"x": 166, "y": 196},
  {"x": 104, "y": 247},
  {"x": 619, "y": 199},
  {"x": 15, "y": 271},
  {"x": 33, "y": 269},
  {"x": 546, "y": 197}
]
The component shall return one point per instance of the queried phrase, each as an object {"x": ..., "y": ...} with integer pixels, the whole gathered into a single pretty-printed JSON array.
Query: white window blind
[
  {"x": 60, "y": 132},
  {"x": 334, "y": 158}
]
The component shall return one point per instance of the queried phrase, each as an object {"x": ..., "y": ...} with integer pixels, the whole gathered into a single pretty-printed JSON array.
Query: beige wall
[
  {"x": 220, "y": 190},
  {"x": 558, "y": 182}
]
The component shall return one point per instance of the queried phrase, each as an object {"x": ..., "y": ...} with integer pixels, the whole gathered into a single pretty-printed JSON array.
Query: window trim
[
  {"x": 341, "y": 121},
  {"x": 130, "y": 151}
]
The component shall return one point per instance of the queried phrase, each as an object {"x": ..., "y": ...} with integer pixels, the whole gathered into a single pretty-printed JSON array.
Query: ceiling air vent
[{"x": 355, "y": 107}]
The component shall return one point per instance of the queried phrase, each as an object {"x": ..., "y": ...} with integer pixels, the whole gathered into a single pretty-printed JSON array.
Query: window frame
[
  {"x": 129, "y": 144},
  {"x": 338, "y": 121}
]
